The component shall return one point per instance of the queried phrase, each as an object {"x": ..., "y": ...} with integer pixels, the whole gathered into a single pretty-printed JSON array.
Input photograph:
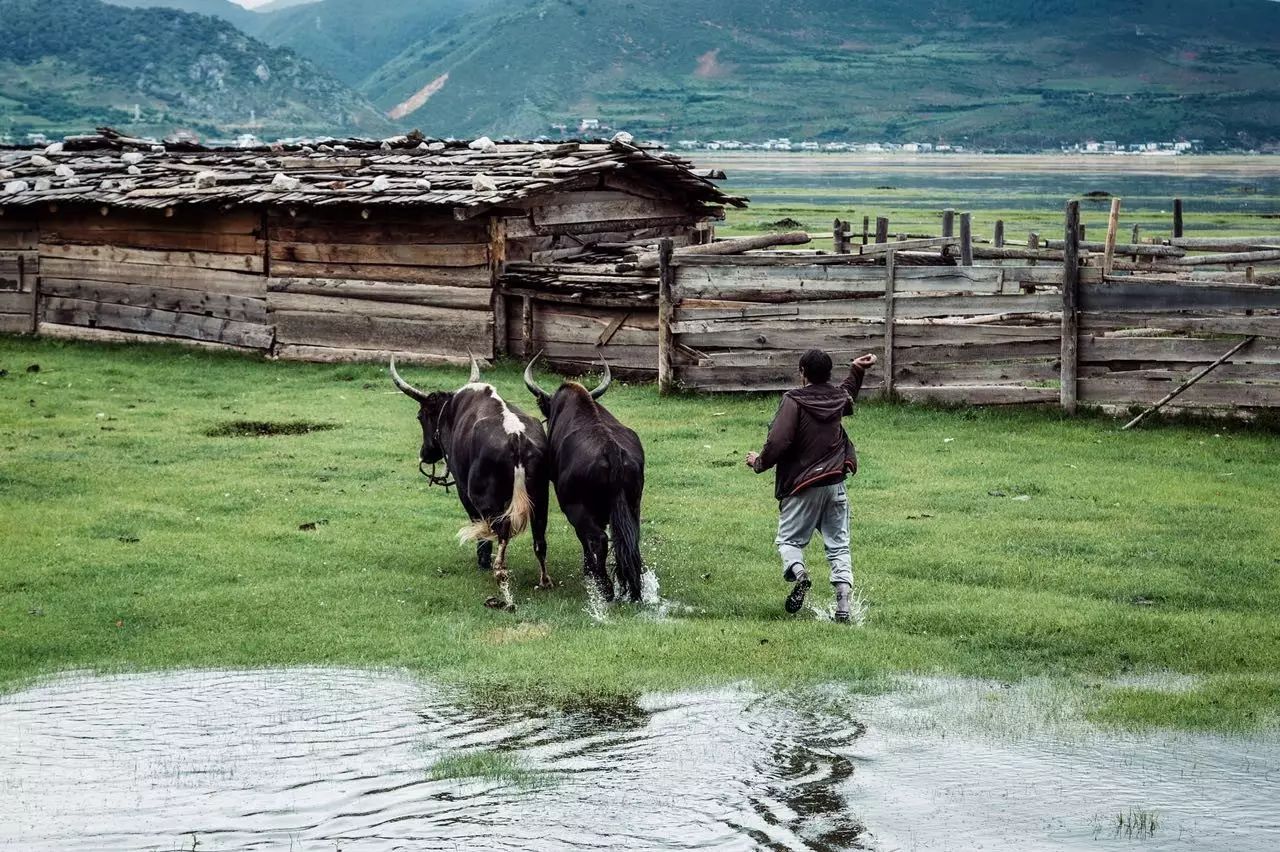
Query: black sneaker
[{"x": 795, "y": 600}]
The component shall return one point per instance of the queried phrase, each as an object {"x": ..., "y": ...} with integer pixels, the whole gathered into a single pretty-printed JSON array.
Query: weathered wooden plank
[
  {"x": 284, "y": 301},
  {"x": 453, "y": 331},
  {"x": 955, "y": 353},
  {"x": 1105, "y": 390},
  {"x": 1120, "y": 295},
  {"x": 1233, "y": 370},
  {"x": 603, "y": 205},
  {"x": 157, "y": 240},
  {"x": 634, "y": 358},
  {"x": 1182, "y": 350},
  {"x": 761, "y": 377},
  {"x": 1227, "y": 244},
  {"x": 1262, "y": 256},
  {"x": 521, "y": 229},
  {"x": 384, "y": 291},
  {"x": 15, "y": 323},
  {"x": 211, "y": 280},
  {"x": 799, "y": 312},
  {"x": 1201, "y": 322},
  {"x": 179, "y": 300},
  {"x": 915, "y": 307},
  {"x": 106, "y": 335},
  {"x": 587, "y": 327},
  {"x": 452, "y": 276},
  {"x": 980, "y": 394},
  {"x": 330, "y": 354},
  {"x": 448, "y": 254},
  {"x": 979, "y": 373},
  {"x": 378, "y": 233},
  {"x": 790, "y": 335},
  {"x": 926, "y": 332},
  {"x": 82, "y": 312},
  {"x": 18, "y": 240},
  {"x": 251, "y": 263},
  {"x": 1071, "y": 307}
]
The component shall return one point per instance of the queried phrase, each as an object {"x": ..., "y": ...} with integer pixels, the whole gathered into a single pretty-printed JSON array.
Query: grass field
[
  {"x": 140, "y": 531},
  {"x": 1223, "y": 195}
]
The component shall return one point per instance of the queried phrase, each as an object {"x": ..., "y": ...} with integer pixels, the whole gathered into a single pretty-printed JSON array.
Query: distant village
[{"x": 594, "y": 128}]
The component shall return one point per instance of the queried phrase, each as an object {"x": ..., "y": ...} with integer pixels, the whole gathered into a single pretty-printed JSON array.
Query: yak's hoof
[{"x": 546, "y": 584}]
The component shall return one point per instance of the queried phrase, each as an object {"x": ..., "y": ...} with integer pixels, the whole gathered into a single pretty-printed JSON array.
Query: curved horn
[
  {"x": 604, "y": 382},
  {"x": 404, "y": 386},
  {"x": 475, "y": 369},
  {"x": 529, "y": 381}
]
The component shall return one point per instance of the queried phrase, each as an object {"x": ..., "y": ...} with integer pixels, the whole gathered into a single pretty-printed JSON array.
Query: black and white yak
[
  {"x": 497, "y": 457},
  {"x": 597, "y": 465}
]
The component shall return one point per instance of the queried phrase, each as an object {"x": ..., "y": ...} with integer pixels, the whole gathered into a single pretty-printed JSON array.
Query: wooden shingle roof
[{"x": 406, "y": 171}]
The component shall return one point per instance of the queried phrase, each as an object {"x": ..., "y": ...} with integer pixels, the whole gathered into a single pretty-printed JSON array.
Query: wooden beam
[
  {"x": 497, "y": 265},
  {"x": 1070, "y": 308},
  {"x": 1189, "y": 382},
  {"x": 882, "y": 229},
  {"x": 1177, "y": 218},
  {"x": 966, "y": 240},
  {"x": 948, "y": 222},
  {"x": 998, "y": 239},
  {"x": 526, "y": 326},
  {"x": 1109, "y": 250},
  {"x": 890, "y": 278},
  {"x": 666, "y": 340},
  {"x": 650, "y": 260}
]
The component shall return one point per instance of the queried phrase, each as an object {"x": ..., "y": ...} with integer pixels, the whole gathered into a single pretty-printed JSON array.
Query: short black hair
[{"x": 816, "y": 366}]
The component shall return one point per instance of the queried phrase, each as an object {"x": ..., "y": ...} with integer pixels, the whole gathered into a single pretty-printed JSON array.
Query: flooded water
[{"x": 317, "y": 759}]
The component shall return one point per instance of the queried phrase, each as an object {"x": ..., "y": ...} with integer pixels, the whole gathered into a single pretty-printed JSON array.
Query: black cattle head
[
  {"x": 431, "y": 412},
  {"x": 544, "y": 398}
]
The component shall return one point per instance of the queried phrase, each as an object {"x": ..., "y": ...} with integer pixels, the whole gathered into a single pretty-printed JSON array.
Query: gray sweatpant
[{"x": 825, "y": 509}]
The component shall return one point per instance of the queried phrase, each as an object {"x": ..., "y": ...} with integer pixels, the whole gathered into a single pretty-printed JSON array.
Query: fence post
[
  {"x": 1177, "y": 217},
  {"x": 966, "y": 240},
  {"x": 948, "y": 222},
  {"x": 882, "y": 229},
  {"x": 1033, "y": 242},
  {"x": 1137, "y": 231},
  {"x": 866, "y": 224},
  {"x": 666, "y": 341},
  {"x": 526, "y": 326},
  {"x": 497, "y": 264},
  {"x": 998, "y": 237},
  {"x": 1070, "y": 307},
  {"x": 1109, "y": 250},
  {"x": 837, "y": 237},
  {"x": 890, "y": 289}
]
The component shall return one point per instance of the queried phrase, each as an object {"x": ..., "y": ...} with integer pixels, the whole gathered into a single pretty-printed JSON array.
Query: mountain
[
  {"x": 355, "y": 38},
  {"x": 224, "y": 9},
  {"x": 1011, "y": 73},
  {"x": 70, "y": 65}
]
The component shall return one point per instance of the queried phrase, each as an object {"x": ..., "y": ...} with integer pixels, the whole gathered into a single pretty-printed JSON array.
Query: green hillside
[
  {"x": 70, "y": 65},
  {"x": 994, "y": 73}
]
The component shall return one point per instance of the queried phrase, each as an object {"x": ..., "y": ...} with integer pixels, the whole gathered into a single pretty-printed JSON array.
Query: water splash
[{"x": 826, "y": 611}]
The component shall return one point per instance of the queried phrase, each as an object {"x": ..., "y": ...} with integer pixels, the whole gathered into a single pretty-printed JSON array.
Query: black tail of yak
[{"x": 624, "y": 522}]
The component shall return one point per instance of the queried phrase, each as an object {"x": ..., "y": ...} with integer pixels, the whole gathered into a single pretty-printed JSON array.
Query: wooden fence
[{"x": 1067, "y": 331}]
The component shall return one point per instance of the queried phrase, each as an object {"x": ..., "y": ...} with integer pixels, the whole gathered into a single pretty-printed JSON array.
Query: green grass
[
  {"x": 498, "y": 766},
  {"x": 132, "y": 539}
]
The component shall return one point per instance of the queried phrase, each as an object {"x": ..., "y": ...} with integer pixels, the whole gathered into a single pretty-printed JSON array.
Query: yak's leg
[
  {"x": 595, "y": 546},
  {"x": 539, "y": 530},
  {"x": 484, "y": 555},
  {"x": 484, "y": 549},
  {"x": 503, "y": 600}
]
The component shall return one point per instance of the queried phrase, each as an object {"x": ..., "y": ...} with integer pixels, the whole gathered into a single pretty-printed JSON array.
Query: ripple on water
[{"x": 326, "y": 759}]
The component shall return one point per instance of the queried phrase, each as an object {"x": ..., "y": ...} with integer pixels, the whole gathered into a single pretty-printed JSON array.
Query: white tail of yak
[{"x": 517, "y": 514}]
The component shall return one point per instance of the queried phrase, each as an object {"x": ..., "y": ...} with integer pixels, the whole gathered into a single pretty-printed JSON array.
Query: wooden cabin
[{"x": 344, "y": 250}]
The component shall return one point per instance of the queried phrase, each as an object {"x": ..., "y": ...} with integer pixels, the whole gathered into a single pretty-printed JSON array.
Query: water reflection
[{"x": 332, "y": 759}]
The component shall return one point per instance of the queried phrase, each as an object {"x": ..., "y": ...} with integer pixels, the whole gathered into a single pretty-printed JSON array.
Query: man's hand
[
  {"x": 751, "y": 460},
  {"x": 866, "y": 362}
]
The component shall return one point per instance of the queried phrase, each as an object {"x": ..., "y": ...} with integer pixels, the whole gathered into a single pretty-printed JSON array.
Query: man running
[{"x": 813, "y": 455}]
